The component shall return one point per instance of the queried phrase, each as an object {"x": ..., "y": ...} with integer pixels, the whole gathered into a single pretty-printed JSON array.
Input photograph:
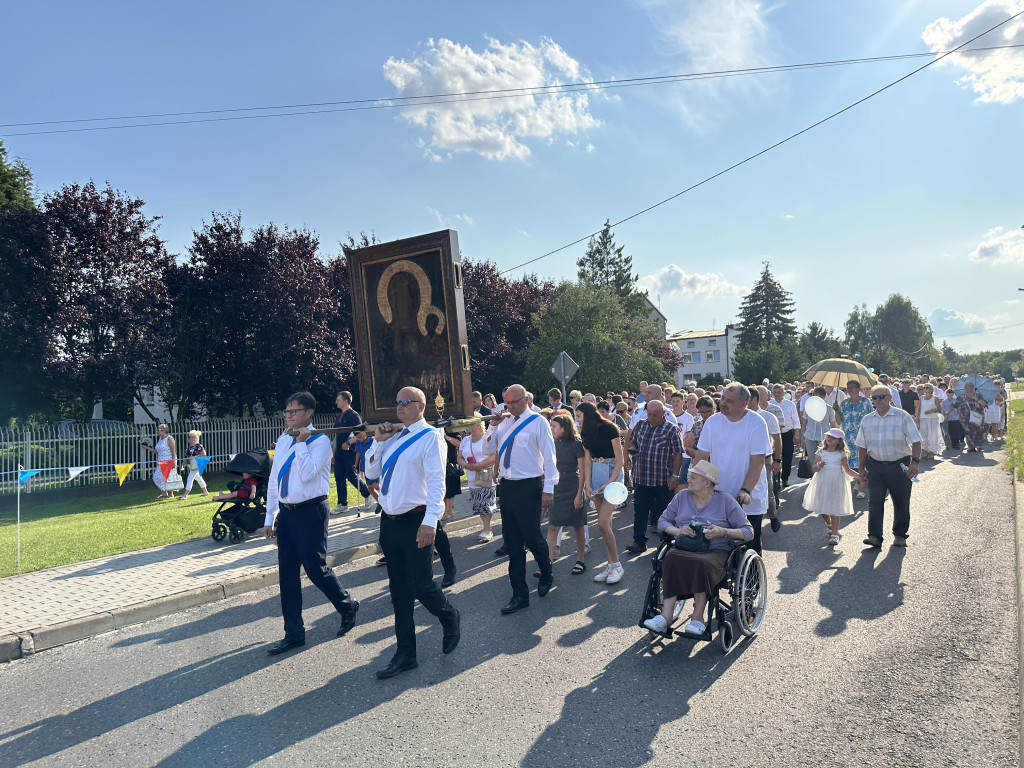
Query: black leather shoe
[
  {"x": 516, "y": 604},
  {"x": 545, "y": 585},
  {"x": 501, "y": 551},
  {"x": 286, "y": 645},
  {"x": 452, "y": 635},
  {"x": 776, "y": 524},
  {"x": 347, "y": 622},
  {"x": 397, "y": 666},
  {"x": 448, "y": 580},
  {"x": 637, "y": 548}
]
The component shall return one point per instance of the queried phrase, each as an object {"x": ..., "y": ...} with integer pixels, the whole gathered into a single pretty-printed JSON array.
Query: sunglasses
[
  {"x": 879, "y": 397},
  {"x": 404, "y": 402}
]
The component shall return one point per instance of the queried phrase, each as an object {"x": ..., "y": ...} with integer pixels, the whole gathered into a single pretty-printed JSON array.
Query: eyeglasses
[
  {"x": 879, "y": 397},
  {"x": 513, "y": 402},
  {"x": 292, "y": 411},
  {"x": 405, "y": 401}
]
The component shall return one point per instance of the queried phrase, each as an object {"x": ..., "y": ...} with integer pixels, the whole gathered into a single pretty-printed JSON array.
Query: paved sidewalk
[{"x": 59, "y": 605}]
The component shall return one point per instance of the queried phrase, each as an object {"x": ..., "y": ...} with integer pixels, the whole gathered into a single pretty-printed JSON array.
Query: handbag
[
  {"x": 174, "y": 481},
  {"x": 805, "y": 468},
  {"x": 698, "y": 543},
  {"x": 482, "y": 478},
  {"x": 977, "y": 418}
]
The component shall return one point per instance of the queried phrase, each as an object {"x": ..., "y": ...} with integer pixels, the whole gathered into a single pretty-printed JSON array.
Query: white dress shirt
[
  {"x": 533, "y": 450},
  {"x": 308, "y": 477},
  {"x": 792, "y": 420},
  {"x": 417, "y": 476},
  {"x": 888, "y": 437}
]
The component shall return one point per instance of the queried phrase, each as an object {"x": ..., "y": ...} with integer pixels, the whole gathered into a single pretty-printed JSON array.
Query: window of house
[
  {"x": 712, "y": 357},
  {"x": 711, "y": 342},
  {"x": 691, "y": 344}
]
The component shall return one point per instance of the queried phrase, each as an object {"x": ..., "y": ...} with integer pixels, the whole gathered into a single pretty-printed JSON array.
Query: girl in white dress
[
  {"x": 828, "y": 493},
  {"x": 931, "y": 430}
]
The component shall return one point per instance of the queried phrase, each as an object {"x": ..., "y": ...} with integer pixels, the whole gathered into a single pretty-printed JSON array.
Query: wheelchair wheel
[
  {"x": 652, "y": 600},
  {"x": 726, "y": 635},
  {"x": 237, "y": 534},
  {"x": 751, "y": 590},
  {"x": 219, "y": 531}
]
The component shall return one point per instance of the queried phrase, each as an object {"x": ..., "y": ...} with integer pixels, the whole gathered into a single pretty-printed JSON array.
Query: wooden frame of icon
[{"x": 410, "y": 325}]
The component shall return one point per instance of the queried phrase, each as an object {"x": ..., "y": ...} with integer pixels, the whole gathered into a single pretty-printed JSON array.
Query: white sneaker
[
  {"x": 657, "y": 624},
  {"x": 339, "y": 510},
  {"x": 368, "y": 504},
  {"x": 615, "y": 574},
  {"x": 603, "y": 575}
]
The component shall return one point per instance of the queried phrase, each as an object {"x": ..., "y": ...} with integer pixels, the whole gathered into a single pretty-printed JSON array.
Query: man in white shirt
[
  {"x": 411, "y": 467},
  {"x": 526, "y": 468},
  {"x": 890, "y": 455},
  {"x": 736, "y": 441},
  {"x": 790, "y": 429},
  {"x": 297, "y": 501},
  {"x": 653, "y": 392},
  {"x": 773, "y": 463}
]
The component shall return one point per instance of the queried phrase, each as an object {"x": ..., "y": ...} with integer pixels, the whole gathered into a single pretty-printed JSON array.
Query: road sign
[{"x": 564, "y": 368}]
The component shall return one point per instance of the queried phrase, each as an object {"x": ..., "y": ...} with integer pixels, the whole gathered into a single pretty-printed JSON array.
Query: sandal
[
  {"x": 861, "y": 495},
  {"x": 579, "y": 568}
]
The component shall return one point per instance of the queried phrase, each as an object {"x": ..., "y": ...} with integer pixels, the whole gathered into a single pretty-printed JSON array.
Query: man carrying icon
[{"x": 656, "y": 467}]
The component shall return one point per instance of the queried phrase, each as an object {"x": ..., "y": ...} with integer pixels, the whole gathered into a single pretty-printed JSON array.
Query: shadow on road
[{"x": 868, "y": 590}]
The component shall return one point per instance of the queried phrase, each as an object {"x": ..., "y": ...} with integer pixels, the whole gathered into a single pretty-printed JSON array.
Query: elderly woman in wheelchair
[{"x": 705, "y": 523}]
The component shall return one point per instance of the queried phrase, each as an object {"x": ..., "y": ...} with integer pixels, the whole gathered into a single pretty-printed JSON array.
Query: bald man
[{"x": 411, "y": 467}]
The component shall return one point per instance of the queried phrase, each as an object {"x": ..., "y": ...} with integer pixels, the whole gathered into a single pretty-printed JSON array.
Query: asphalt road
[{"x": 895, "y": 658}]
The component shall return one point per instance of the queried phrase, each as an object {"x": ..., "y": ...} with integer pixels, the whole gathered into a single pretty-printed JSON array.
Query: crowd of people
[{"x": 703, "y": 464}]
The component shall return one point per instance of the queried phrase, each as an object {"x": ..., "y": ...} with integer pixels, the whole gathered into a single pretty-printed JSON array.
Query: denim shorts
[{"x": 601, "y": 474}]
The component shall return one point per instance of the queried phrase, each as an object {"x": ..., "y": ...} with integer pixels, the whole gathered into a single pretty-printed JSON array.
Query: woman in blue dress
[{"x": 852, "y": 412}]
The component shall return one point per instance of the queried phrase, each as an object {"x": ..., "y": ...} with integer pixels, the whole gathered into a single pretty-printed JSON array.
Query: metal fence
[{"x": 54, "y": 448}]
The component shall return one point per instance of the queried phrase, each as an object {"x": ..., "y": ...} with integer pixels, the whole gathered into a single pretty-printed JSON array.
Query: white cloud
[
  {"x": 702, "y": 36},
  {"x": 673, "y": 282},
  {"x": 788, "y": 216},
  {"x": 449, "y": 221},
  {"x": 496, "y": 128},
  {"x": 949, "y": 322},
  {"x": 1000, "y": 246},
  {"x": 995, "y": 76}
]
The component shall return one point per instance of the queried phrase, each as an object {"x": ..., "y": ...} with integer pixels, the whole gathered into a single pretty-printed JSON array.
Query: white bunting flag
[{"x": 74, "y": 472}]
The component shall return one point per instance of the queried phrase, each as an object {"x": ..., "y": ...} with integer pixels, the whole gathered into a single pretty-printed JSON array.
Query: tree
[
  {"x": 777, "y": 362},
  {"x": 499, "y": 314},
  {"x": 266, "y": 303},
  {"x": 766, "y": 314},
  {"x": 818, "y": 343},
  {"x": 902, "y": 335},
  {"x": 16, "y": 186},
  {"x": 108, "y": 262},
  {"x": 859, "y": 332},
  {"x": 604, "y": 265},
  {"x": 28, "y": 300},
  {"x": 612, "y": 354}
]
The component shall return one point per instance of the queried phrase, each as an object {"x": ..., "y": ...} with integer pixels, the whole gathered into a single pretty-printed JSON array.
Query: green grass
[
  {"x": 1016, "y": 386},
  {"x": 71, "y": 531},
  {"x": 1014, "y": 445}
]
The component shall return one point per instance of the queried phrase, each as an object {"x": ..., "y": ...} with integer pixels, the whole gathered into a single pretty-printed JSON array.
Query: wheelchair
[{"x": 745, "y": 584}]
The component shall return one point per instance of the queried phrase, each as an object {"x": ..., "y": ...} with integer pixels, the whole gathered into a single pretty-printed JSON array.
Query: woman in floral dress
[
  {"x": 972, "y": 417},
  {"x": 852, "y": 411}
]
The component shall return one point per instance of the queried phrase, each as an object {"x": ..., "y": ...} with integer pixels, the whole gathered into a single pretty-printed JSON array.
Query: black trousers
[
  {"x": 410, "y": 578},
  {"x": 956, "y": 433},
  {"x": 520, "y": 525},
  {"x": 345, "y": 473},
  {"x": 649, "y": 501},
  {"x": 755, "y": 523},
  {"x": 788, "y": 445},
  {"x": 444, "y": 549},
  {"x": 888, "y": 479},
  {"x": 302, "y": 541}
]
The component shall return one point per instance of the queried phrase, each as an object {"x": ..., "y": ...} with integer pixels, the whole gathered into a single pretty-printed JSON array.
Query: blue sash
[
  {"x": 385, "y": 472},
  {"x": 516, "y": 431},
  {"x": 282, "y": 475}
]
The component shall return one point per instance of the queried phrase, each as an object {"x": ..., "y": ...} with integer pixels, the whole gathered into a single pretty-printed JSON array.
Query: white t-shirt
[
  {"x": 770, "y": 420},
  {"x": 476, "y": 451},
  {"x": 640, "y": 414},
  {"x": 684, "y": 421},
  {"x": 731, "y": 444}
]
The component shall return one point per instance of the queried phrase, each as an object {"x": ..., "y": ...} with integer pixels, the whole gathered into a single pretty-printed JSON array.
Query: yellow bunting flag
[
  {"x": 122, "y": 471},
  {"x": 270, "y": 454}
]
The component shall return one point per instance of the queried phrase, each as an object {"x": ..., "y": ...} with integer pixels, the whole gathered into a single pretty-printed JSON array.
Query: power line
[
  {"x": 983, "y": 330},
  {"x": 766, "y": 149},
  {"x": 399, "y": 102}
]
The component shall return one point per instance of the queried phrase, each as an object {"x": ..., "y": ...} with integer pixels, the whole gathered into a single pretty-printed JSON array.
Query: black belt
[
  {"x": 522, "y": 479},
  {"x": 412, "y": 513},
  {"x": 894, "y": 461},
  {"x": 306, "y": 503}
]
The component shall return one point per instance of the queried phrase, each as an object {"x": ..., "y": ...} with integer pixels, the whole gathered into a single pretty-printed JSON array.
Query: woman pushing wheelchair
[{"x": 704, "y": 522}]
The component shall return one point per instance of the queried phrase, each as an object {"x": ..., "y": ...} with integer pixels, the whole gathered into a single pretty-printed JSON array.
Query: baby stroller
[{"x": 235, "y": 518}]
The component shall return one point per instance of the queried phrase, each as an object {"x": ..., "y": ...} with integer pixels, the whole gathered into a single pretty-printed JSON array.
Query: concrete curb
[
  {"x": 1019, "y": 530},
  {"x": 43, "y": 638}
]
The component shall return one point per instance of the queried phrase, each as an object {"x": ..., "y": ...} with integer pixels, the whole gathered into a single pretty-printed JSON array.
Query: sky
[{"x": 918, "y": 190}]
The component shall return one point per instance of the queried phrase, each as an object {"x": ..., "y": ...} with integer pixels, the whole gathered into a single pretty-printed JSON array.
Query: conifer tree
[{"x": 766, "y": 314}]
